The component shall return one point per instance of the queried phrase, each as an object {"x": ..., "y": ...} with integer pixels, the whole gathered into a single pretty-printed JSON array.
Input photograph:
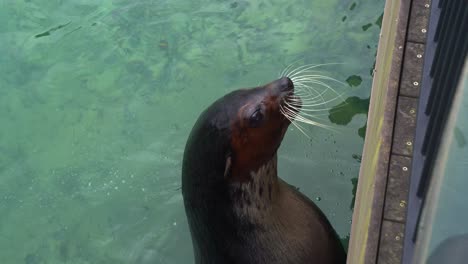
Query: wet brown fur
[{"x": 239, "y": 211}]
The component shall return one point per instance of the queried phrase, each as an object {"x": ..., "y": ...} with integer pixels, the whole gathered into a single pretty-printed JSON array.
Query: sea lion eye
[{"x": 256, "y": 118}]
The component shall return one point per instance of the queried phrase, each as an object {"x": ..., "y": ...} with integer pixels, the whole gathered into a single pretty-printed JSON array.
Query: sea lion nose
[{"x": 285, "y": 84}]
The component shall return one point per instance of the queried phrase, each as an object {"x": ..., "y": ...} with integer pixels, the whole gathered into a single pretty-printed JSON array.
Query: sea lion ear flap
[{"x": 227, "y": 168}]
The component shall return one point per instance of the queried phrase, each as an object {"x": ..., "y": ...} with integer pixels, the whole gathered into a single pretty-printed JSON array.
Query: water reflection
[{"x": 452, "y": 250}]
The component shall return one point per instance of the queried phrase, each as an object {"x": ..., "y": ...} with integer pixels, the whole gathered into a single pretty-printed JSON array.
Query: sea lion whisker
[
  {"x": 290, "y": 118},
  {"x": 302, "y": 68},
  {"x": 309, "y": 97},
  {"x": 321, "y": 103},
  {"x": 298, "y": 106},
  {"x": 322, "y": 84},
  {"x": 307, "y": 85},
  {"x": 302, "y": 101},
  {"x": 284, "y": 73},
  {"x": 307, "y": 72},
  {"x": 321, "y": 110},
  {"x": 317, "y": 116},
  {"x": 301, "y": 105},
  {"x": 304, "y": 120},
  {"x": 314, "y": 123},
  {"x": 287, "y": 113},
  {"x": 309, "y": 81},
  {"x": 308, "y": 116},
  {"x": 308, "y": 67},
  {"x": 290, "y": 74},
  {"x": 298, "y": 117},
  {"x": 290, "y": 114},
  {"x": 307, "y": 100},
  {"x": 321, "y": 76},
  {"x": 319, "y": 83},
  {"x": 300, "y": 128},
  {"x": 307, "y": 110},
  {"x": 310, "y": 89}
]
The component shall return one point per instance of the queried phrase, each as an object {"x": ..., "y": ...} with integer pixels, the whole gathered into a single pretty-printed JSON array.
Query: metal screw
[
  {"x": 397, "y": 238},
  {"x": 419, "y": 55},
  {"x": 416, "y": 83},
  {"x": 402, "y": 203},
  {"x": 405, "y": 168},
  {"x": 426, "y": 5},
  {"x": 423, "y": 30},
  {"x": 409, "y": 143},
  {"x": 412, "y": 111}
]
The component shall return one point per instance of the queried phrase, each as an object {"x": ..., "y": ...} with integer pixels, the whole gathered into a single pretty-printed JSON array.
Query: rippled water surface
[{"x": 97, "y": 99}]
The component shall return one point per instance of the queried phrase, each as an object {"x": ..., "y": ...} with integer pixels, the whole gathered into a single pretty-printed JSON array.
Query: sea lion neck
[{"x": 253, "y": 199}]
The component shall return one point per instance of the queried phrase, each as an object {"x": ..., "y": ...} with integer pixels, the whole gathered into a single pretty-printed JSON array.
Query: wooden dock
[{"x": 379, "y": 218}]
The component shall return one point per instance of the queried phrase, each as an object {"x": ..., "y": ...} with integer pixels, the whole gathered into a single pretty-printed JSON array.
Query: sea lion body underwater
[{"x": 239, "y": 211}]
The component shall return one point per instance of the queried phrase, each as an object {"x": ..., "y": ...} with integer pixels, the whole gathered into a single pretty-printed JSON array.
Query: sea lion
[{"x": 239, "y": 211}]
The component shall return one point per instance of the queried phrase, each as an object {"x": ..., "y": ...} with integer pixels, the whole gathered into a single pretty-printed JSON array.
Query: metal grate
[
  {"x": 452, "y": 36},
  {"x": 445, "y": 54}
]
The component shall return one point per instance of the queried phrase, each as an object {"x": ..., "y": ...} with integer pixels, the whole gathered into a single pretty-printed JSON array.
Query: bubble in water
[{"x": 318, "y": 198}]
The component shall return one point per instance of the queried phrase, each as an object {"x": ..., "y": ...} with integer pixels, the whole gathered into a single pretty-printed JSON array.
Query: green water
[{"x": 97, "y": 99}]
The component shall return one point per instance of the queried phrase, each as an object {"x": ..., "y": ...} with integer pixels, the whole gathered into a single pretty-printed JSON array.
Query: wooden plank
[
  {"x": 412, "y": 70},
  {"x": 391, "y": 243},
  {"x": 405, "y": 124},
  {"x": 396, "y": 198},
  {"x": 417, "y": 30}
]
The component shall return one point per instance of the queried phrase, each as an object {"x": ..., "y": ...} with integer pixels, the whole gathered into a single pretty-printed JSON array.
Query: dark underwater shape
[
  {"x": 366, "y": 26},
  {"x": 354, "y": 182},
  {"x": 343, "y": 113},
  {"x": 48, "y": 32},
  {"x": 459, "y": 137},
  {"x": 354, "y": 80},
  {"x": 379, "y": 21}
]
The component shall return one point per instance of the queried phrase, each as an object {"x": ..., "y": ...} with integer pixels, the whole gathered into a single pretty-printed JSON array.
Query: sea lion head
[{"x": 235, "y": 137}]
